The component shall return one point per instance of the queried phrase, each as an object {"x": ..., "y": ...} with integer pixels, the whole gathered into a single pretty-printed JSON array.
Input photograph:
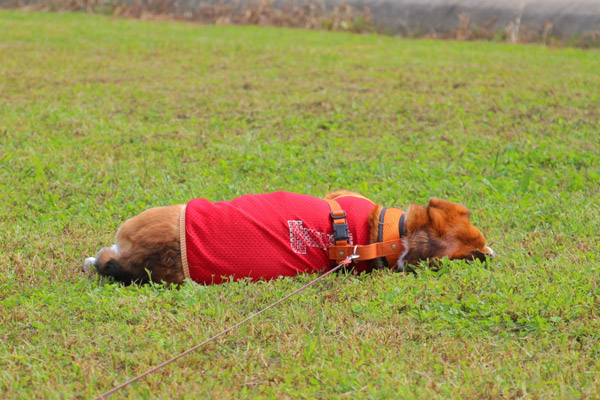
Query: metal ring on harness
[{"x": 354, "y": 257}]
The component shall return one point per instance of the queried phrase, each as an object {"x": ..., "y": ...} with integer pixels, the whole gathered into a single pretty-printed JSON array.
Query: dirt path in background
[
  {"x": 564, "y": 18},
  {"x": 578, "y": 21}
]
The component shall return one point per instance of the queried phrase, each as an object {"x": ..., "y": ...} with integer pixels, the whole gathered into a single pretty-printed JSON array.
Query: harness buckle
[{"x": 340, "y": 232}]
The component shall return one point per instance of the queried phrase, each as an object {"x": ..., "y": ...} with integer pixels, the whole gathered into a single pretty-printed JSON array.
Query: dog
[{"x": 265, "y": 236}]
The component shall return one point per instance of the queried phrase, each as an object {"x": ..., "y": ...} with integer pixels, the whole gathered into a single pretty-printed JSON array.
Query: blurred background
[{"x": 572, "y": 22}]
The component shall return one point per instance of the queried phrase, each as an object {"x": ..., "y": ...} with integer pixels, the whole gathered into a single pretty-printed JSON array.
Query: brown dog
[{"x": 282, "y": 234}]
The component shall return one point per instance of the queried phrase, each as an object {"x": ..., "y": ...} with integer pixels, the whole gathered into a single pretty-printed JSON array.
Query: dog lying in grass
[{"x": 282, "y": 234}]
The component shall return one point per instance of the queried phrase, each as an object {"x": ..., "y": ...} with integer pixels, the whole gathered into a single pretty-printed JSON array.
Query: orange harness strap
[
  {"x": 340, "y": 225},
  {"x": 341, "y": 249},
  {"x": 369, "y": 251}
]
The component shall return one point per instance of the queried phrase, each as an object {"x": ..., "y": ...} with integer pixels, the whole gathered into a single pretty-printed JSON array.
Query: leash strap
[
  {"x": 105, "y": 395},
  {"x": 367, "y": 252}
]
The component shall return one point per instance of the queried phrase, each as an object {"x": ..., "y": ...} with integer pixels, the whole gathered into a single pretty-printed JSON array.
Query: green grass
[{"x": 102, "y": 118}]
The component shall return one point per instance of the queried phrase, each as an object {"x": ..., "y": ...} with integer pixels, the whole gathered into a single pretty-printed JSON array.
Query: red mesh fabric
[{"x": 266, "y": 236}]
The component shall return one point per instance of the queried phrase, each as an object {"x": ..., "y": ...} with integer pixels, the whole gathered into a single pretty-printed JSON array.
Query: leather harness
[{"x": 390, "y": 239}]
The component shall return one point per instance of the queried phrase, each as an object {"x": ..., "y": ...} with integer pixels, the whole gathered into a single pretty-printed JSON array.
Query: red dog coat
[{"x": 265, "y": 236}]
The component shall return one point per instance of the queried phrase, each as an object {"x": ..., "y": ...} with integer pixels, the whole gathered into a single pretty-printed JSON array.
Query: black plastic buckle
[{"x": 340, "y": 232}]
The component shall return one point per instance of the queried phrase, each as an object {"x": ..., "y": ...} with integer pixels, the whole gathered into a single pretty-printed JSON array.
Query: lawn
[{"x": 102, "y": 118}]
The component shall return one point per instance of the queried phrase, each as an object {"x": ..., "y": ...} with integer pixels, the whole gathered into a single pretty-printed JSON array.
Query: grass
[{"x": 101, "y": 118}]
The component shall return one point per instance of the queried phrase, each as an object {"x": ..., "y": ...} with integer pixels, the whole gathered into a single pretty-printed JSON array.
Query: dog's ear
[
  {"x": 448, "y": 207},
  {"x": 443, "y": 213}
]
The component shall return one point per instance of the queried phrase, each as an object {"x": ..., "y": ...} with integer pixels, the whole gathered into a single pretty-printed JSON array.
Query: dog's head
[{"x": 443, "y": 229}]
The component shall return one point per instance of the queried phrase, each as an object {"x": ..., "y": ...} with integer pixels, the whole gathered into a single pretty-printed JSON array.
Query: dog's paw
[{"x": 89, "y": 262}]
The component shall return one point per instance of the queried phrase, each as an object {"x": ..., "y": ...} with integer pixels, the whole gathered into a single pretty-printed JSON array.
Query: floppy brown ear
[
  {"x": 443, "y": 212},
  {"x": 434, "y": 202},
  {"x": 438, "y": 209},
  {"x": 448, "y": 206}
]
